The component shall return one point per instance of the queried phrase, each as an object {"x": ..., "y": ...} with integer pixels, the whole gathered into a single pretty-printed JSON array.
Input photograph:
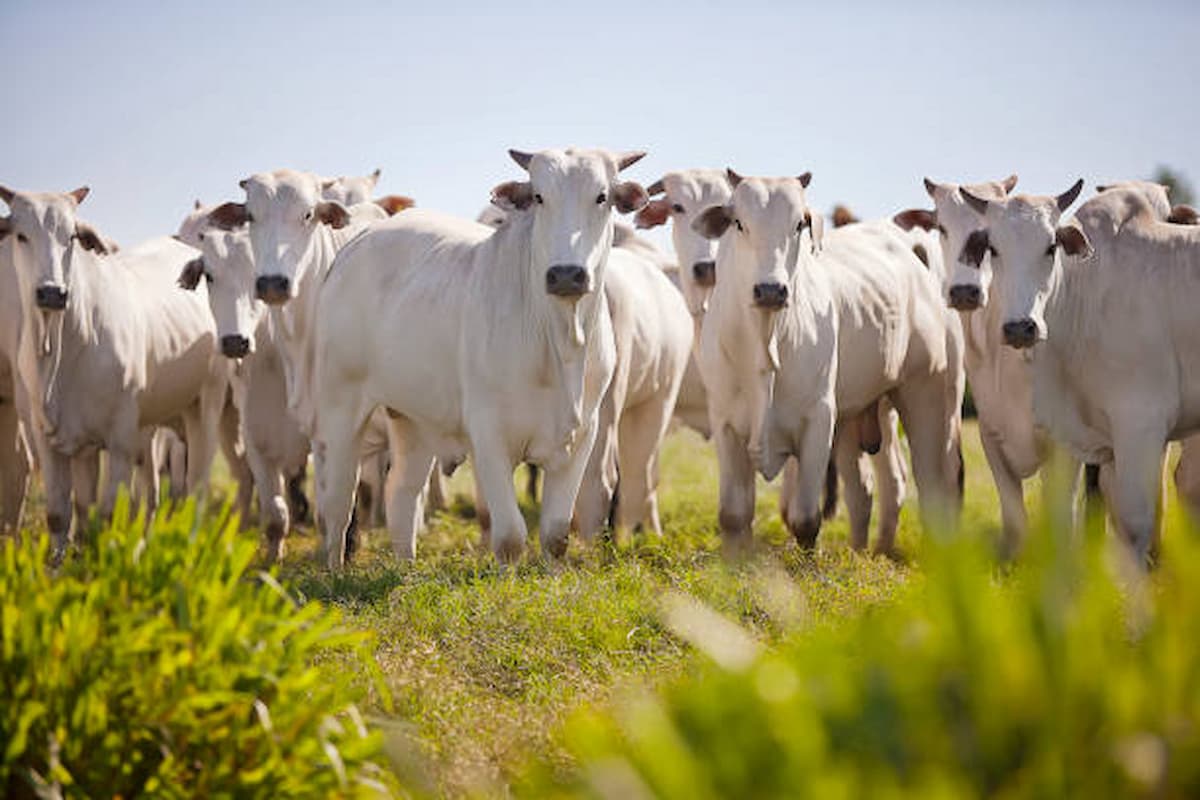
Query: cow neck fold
[
  {"x": 67, "y": 335},
  {"x": 293, "y": 323}
]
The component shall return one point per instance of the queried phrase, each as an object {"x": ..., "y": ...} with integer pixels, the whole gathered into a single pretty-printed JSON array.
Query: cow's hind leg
[
  {"x": 406, "y": 485},
  {"x": 599, "y": 483},
  {"x": 804, "y": 506},
  {"x": 641, "y": 433},
  {"x": 932, "y": 441},
  {"x": 890, "y": 482},
  {"x": 1138, "y": 451},
  {"x": 14, "y": 466},
  {"x": 850, "y": 466}
]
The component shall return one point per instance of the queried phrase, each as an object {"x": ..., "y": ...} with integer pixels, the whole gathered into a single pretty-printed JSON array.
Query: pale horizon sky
[{"x": 154, "y": 105}]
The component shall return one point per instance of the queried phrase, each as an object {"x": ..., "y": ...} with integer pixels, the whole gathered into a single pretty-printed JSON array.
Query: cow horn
[
  {"x": 1065, "y": 199},
  {"x": 930, "y": 186},
  {"x": 522, "y": 158},
  {"x": 733, "y": 178},
  {"x": 626, "y": 160}
]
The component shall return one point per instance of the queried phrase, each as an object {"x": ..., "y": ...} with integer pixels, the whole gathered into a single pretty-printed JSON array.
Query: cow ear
[
  {"x": 816, "y": 230},
  {"x": 1009, "y": 183},
  {"x": 733, "y": 178},
  {"x": 1072, "y": 241},
  {"x": 713, "y": 222},
  {"x": 805, "y": 179},
  {"x": 393, "y": 204},
  {"x": 975, "y": 249},
  {"x": 229, "y": 216},
  {"x": 192, "y": 272},
  {"x": 978, "y": 203},
  {"x": 1065, "y": 199},
  {"x": 916, "y": 218},
  {"x": 629, "y": 196},
  {"x": 90, "y": 240},
  {"x": 653, "y": 214},
  {"x": 1184, "y": 215},
  {"x": 332, "y": 214},
  {"x": 656, "y": 188},
  {"x": 843, "y": 216},
  {"x": 326, "y": 184},
  {"x": 513, "y": 195},
  {"x": 79, "y": 194}
]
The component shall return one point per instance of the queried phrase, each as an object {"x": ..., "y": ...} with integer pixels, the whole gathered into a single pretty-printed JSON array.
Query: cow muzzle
[
  {"x": 235, "y": 346},
  {"x": 770, "y": 296},
  {"x": 273, "y": 290},
  {"x": 1021, "y": 334},
  {"x": 567, "y": 280},
  {"x": 50, "y": 297},
  {"x": 965, "y": 297},
  {"x": 705, "y": 273}
]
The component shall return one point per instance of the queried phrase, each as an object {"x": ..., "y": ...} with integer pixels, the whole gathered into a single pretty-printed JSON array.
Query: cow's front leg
[
  {"x": 736, "y": 512},
  {"x": 493, "y": 472},
  {"x": 804, "y": 506},
  {"x": 412, "y": 463},
  {"x": 560, "y": 489}
]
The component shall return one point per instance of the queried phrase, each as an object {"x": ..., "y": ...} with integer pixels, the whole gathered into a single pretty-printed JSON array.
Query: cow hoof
[
  {"x": 806, "y": 531},
  {"x": 555, "y": 545},
  {"x": 274, "y": 543},
  {"x": 509, "y": 551}
]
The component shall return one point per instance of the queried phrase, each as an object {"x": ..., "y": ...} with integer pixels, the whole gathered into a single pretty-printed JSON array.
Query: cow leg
[
  {"x": 233, "y": 448},
  {"x": 850, "y": 463},
  {"x": 337, "y": 448},
  {"x": 560, "y": 491},
  {"x": 435, "y": 493},
  {"x": 14, "y": 466},
  {"x": 1013, "y": 516},
  {"x": 1137, "y": 452},
  {"x": 932, "y": 441},
  {"x": 787, "y": 487},
  {"x": 599, "y": 482},
  {"x": 57, "y": 473},
  {"x": 146, "y": 472},
  {"x": 494, "y": 478},
  {"x": 804, "y": 506},
  {"x": 120, "y": 473},
  {"x": 83, "y": 481},
  {"x": 890, "y": 483},
  {"x": 407, "y": 480},
  {"x": 202, "y": 426},
  {"x": 641, "y": 433},
  {"x": 736, "y": 476},
  {"x": 481, "y": 511},
  {"x": 1187, "y": 475},
  {"x": 273, "y": 511}
]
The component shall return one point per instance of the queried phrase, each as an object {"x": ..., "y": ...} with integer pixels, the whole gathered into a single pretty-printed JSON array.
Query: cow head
[
  {"x": 286, "y": 219},
  {"x": 47, "y": 238},
  {"x": 762, "y": 235},
  {"x": 350, "y": 191},
  {"x": 965, "y": 284},
  {"x": 1024, "y": 240},
  {"x": 570, "y": 195},
  {"x": 680, "y": 197},
  {"x": 226, "y": 264}
]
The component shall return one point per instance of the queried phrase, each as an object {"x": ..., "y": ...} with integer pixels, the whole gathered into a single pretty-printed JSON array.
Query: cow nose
[
  {"x": 50, "y": 297},
  {"x": 705, "y": 272},
  {"x": 965, "y": 297},
  {"x": 273, "y": 289},
  {"x": 235, "y": 346},
  {"x": 1020, "y": 334},
  {"x": 771, "y": 296},
  {"x": 566, "y": 280}
]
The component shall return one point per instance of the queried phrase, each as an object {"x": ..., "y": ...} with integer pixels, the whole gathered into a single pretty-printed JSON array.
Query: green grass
[{"x": 486, "y": 664}]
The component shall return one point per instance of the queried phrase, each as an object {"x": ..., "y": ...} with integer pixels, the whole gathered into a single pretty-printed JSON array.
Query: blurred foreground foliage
[
  {"x": 163, "y": 664},
  {"x": 1071, "y": 675}
]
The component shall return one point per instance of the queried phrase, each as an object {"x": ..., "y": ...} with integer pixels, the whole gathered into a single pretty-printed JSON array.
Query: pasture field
[{"x": 502, "y": 681}]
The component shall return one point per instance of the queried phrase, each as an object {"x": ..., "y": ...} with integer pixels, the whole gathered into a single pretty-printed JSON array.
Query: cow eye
[
  {"x": 308, "y": 215},
  {"x": 992, "y": 250},
  {"x": 208, "y": 277},
  {"x": 1050, "y": 250},
  {"x": 537, "y": 198},
  {"x": 738, "y": 222},
  {"x": 200, "y": 236},
  {"x": 941, "y": 230},
  {"x": 800, "y": 226},
  {"x": 678, "y": 209},
  {"x": 22, "y": 237},
  {"x": 601, "y": 199}
]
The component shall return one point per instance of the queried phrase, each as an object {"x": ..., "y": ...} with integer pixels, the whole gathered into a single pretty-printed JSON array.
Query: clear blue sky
[{"x": 155, "y": 104}]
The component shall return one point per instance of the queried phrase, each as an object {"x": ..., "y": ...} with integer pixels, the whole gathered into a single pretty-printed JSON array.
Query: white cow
[
  {"x": 685, "y": 195},
  {"x": 794, "y": 339},
  {"x": 1112, "y": 393},
  {"x": 276, "y": 449},
  {"x": 117, "y": 348},
  {"x": 15, "y": 448},
  {"x": 350, "y": 191},
  {"x": 492, "y": 342}
]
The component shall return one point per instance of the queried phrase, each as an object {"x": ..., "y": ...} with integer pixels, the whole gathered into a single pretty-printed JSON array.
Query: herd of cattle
[{"x": 309, "y": 318}]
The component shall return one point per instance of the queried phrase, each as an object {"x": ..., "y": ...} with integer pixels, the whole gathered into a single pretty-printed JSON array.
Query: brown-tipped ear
[
  {"x": 522, "y": 158},
  {"x": 842, "y": 216},
  {"x": 1184, "y": 215},
  {"x": 393, "y": 204},
  {"x": 513, "y": 195},
  {"x": 79, "y": 194},
  {"x": 374, "y": 176},
  {"x": 242, "y": 183},
  {"x": 1065, "y": 199},
  {"x": 653, "y": 214},
  {"x": 1009, "y": 183},
  {"x": 629, "y": 196},
  {"x": 90, "y": 240},
  {"x": 628, "y": 159},
  {"x": 733, "y": 178},
  {"x": 805, "y": 179},
  {"x": 978, "y": 203},
  {"x": 977, "y": 246},
  {"x": 930, "y": 188},
  {"x": 192, "y": 272},
  {"x": 7, "y": 194},
  {"x": 1072, "y": 241},
  {"x": 713, "y": 222},
  {"x": 913, "y": 218},
  {"x": 229, "y": 216},
  {"x": 332, "y": 213},
  {"x": 656, "y": 188}
]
